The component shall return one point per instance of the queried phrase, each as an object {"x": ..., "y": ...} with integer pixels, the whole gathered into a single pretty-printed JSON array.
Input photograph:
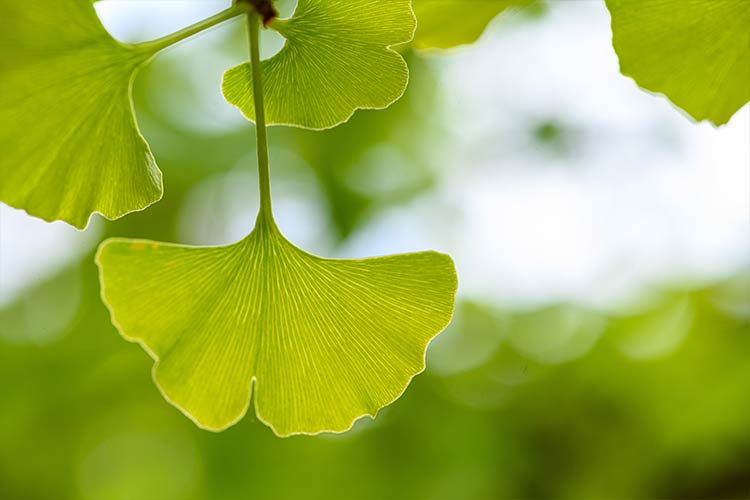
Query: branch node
[{"x": 264, "y": 8}]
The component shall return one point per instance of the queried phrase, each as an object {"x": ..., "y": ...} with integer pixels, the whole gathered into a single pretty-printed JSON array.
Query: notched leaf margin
[{"x": 253, "y": 383}]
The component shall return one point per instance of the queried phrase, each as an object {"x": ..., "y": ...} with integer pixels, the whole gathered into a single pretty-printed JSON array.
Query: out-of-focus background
[{"x": 601, "y": 343}]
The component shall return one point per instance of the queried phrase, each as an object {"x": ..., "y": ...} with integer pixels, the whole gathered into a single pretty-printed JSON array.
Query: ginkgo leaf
[
  {"x": 696, "y": 52},
  {"x": 69, "y": 140},
  {"x": 443, "y": 24},
  {"x": 336, "y": 59},
  {"x": 325, "y": 341}
]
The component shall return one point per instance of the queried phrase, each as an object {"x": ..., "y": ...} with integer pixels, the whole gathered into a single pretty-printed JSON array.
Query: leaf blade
[
  {"x": 695, "y": 52},
  {"x": 337, "y": 59},
  {"x": 71, "y": 145},
  {"x": 326, "y": 341}
]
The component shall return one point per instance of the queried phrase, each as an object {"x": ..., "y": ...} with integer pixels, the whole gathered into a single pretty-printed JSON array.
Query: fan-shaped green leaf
[
  {"x": 326, "y": 341},
  {"x": 696, "y": 52},
  {"x": 336, "y": 59},
  {"x": 69, "y": 141},
  {"x": 444, "y": 24}
]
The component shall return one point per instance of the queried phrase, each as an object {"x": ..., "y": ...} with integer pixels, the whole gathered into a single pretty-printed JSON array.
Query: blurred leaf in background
[
  {"x": 445, "y": 24},
  {"x": 697, "y": 53},
  {"x": 81, "y": 419}
]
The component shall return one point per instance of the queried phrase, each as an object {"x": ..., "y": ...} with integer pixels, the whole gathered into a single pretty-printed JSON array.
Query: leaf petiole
[
  {"x": 264, "y": 181},
  {"x": 160, "y": 44}
]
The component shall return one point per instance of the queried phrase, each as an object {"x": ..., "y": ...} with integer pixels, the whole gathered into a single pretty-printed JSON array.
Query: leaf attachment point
[{"x": 264, "y": 8}]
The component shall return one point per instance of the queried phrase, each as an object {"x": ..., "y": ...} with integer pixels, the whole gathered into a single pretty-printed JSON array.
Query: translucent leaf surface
[
  {"x": 326, "y": 341},
  {"x": 696, "y": 52},
  {"x": 444, "y": 24},
  {"x": 336, "y": 60},
  {"x": 69, "y": 140}
]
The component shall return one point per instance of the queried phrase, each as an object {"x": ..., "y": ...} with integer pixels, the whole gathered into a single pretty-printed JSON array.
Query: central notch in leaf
[{"x": 326, "y": 341}]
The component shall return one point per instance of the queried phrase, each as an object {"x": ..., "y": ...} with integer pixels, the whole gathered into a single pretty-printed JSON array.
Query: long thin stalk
[
  {"x": 264, "y": 179},
  {"x": 155, "y": 46}
]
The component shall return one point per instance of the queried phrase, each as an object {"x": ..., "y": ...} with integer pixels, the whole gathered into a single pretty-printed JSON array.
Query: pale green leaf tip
[
  {"x": 693, "y": 116},
  {"x": 82, "y": 223},
  {"x": 399, "y": 367}
]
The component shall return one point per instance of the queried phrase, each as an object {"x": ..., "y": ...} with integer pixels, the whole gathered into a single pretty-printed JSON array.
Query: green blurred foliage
[
  {"x": 560, "y": 402},
  {"x": 82, "y": 418}
]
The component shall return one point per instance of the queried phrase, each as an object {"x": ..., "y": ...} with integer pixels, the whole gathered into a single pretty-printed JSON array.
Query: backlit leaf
[
  {"x": 443, "y": 24},
  {"x": 336, "y": 59},
  {"x": 696, "y": 52},
  {"x": 69, "y": 140},
  {"x": 325, "y": 341}
]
